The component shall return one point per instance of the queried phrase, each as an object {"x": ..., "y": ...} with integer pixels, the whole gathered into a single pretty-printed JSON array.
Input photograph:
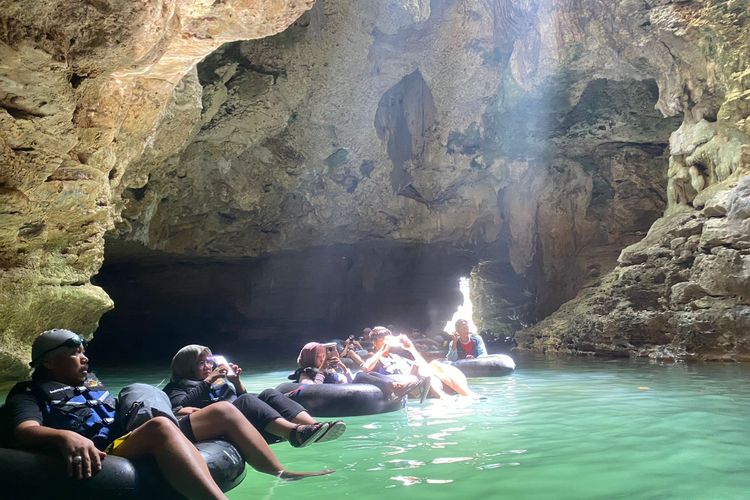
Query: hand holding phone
[
  {"x": 221, "y": 360},
  {"x": 331, "y": 350}
]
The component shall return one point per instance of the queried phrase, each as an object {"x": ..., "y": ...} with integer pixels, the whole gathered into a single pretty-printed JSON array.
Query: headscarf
[
  {"x": 183, "y": 363},
  {"x": 308, "y": 356}
]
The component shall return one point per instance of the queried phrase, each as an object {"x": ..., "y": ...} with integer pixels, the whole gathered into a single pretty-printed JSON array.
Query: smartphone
[
  {"x": 331, "y": 349},
  {"x": 221, "y": 360},
  {"x": 393, "y": 341}
]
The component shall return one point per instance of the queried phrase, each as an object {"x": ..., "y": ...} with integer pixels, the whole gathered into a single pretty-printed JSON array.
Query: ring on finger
[{"x": 77, "y": 460}]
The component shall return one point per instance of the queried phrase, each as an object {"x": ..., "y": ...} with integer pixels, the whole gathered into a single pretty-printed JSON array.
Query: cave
[
  {"x": 266, "y": 307},
  {"x": 549, "y": 153},
  {"x": 268, "y": 178}
]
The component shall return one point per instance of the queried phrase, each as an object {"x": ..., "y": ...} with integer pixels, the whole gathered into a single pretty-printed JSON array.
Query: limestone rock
[
  {"x": 82, "y": 87},
  {"x": 278, "y": 163},
  {"x": 668, "y": 304},
  {"x": 536, "y": 134},
  {"x": 685, "y": 292}
]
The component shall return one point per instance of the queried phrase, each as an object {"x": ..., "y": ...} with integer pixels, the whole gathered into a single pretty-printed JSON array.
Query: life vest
[
  {"x": 88, "y": 409},
  {"x": 462, "y": 353},
  {"x": 221, "y": 390}
]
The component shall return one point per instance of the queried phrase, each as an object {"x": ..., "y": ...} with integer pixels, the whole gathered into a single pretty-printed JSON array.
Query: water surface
[{"x": 555, "y": 429}]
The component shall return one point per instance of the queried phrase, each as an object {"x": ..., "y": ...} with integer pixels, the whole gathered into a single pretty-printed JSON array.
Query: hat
[{"x": 50, "y": 340}]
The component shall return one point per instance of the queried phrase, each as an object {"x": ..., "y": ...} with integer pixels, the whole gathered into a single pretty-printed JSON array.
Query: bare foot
[{"x": 294, "y": 476}]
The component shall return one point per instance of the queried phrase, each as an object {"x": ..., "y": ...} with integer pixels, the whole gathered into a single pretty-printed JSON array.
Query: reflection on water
[{"x": 555, "y": 429}]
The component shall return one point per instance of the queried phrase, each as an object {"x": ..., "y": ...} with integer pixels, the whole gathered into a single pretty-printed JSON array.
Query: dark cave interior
[{"x": 268, "y": 307}]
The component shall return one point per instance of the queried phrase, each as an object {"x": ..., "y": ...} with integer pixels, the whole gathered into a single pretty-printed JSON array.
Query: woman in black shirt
[{"x": 198, "y": 382}]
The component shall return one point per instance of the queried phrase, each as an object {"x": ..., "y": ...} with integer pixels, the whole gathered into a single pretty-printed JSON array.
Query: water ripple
[{"x": 556, "y": 429}]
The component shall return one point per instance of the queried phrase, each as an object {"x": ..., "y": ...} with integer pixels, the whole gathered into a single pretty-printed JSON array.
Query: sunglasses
[{"x": 73, "y": 343}]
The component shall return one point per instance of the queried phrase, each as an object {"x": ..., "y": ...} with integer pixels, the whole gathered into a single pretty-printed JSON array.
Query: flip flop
[
  {"x": 305, "y": 435},
  {"x": 424, "y": 388},
  {"x": 405, "y": 389},
  {"x": 334, "y": 430}
]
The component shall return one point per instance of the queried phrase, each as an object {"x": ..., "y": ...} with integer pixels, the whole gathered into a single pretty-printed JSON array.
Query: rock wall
[
  {"x": 682, "y": 292},
  {"x": 83, "y": 88},
  {"x": 535, "y": 128},
  {"x": 342, "y": 130},
  {"x": 536, "y": 133}
]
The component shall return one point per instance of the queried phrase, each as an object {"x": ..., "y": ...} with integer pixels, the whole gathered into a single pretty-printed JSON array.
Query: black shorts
[{"x": 186, "y": 427}]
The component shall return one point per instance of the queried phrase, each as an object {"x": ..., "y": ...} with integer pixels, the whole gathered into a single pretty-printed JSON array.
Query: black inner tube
[{"x": 340, "y": 400}]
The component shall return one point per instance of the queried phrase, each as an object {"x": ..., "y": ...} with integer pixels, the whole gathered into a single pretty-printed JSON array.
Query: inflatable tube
[
  {"x": 494, "y": 365},
  {"x": 340, "y": 400},
  {"x": 25, "y": 474}
]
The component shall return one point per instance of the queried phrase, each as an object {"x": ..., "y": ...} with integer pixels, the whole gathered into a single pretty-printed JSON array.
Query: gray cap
[{"x": 53, "y": 339}]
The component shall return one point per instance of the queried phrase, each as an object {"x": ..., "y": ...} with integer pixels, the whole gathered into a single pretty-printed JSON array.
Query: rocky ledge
[{"x": 683, "y": 292}]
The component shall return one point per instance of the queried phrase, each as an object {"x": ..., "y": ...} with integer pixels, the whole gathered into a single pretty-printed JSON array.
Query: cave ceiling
[{"x": 552, "y": 132}]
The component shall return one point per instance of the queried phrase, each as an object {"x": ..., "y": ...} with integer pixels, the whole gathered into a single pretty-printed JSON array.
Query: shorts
[
  {"x": 186, "y": 427},
  {"x": 112, "y": 448},
  {"x": 183, "y": 423}
]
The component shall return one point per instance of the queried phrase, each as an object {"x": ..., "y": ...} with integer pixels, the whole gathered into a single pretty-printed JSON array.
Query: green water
[{"x": 555, "y": 429}]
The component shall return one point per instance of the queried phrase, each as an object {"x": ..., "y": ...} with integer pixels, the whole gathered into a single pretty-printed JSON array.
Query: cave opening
[{"x": 266, "y": 308}]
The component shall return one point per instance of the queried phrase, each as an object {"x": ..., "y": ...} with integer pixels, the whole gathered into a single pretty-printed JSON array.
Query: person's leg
[
  {"x": 304, "y": 418},
  {"x": 290, "y": 410},
  {"x": 179, "y": 461},
  {"x": 453, "y": 378},
  {"x": 306, "y": 430},
  {"x": 379, "y": 380},
  {"x": 224, "y": 419},
  {"x": 262, "y": 416},
  {"x": 436, "y": 385},
  {"x": 270, "y": 423}
]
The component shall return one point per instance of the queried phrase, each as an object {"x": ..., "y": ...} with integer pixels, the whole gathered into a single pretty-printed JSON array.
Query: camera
[{"x": 351, "y": 337}]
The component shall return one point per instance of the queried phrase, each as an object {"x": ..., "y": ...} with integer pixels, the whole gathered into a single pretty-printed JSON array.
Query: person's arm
[
  {"x": 452, "y": 349},
  {"x": 236, "y": 380},
  {"x": 409, "y": 346},
  {"x": 181, "y": 411},
  {"x": 370, "y": 364},
  {"x": 481, "y": 349},
  {"x": 193, "y": 396},
  {"x": 345, "y": 372},
  {"x": 29, "y": 433},
  {"x": 348, "y": 352},
  {"x": 32, "y": 435}
]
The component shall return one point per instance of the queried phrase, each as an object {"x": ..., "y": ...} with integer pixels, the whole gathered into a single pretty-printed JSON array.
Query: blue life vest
[{"x": 88, "y": 409}]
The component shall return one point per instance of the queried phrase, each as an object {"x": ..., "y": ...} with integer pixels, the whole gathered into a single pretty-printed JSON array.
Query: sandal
[
  {"x": 424, "y": 388},
  {"x": 405, "y": 389},
  {"x": 334, "y": 431},
  {"x": 305, "y": 435}
]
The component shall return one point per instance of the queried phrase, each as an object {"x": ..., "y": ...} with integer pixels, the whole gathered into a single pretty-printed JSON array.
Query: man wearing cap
[{"x": 46, "y": 414}]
